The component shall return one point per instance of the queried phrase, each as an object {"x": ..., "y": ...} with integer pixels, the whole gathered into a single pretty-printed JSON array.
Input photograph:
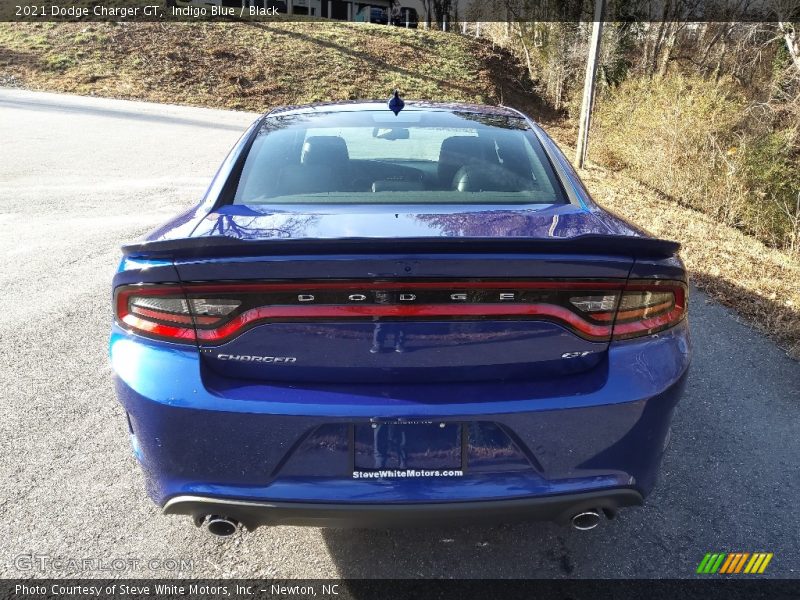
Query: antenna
[{"x": 396, "y": 103}]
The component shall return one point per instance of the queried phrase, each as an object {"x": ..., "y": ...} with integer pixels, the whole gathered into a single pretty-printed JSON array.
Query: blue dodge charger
[{"x": 383, "y": 317}]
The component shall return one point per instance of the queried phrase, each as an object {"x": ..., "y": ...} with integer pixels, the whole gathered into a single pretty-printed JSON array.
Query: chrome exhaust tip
[
  {"x": 585, "y": 521},
  {"x": 221, "y": 526}
]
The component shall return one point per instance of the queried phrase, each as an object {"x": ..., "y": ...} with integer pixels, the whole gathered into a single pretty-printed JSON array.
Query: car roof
[{"x": 410, "y": 105}]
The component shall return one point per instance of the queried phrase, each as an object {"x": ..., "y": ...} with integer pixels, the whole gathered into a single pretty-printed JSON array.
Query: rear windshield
[{"x": 417, "y": 157}]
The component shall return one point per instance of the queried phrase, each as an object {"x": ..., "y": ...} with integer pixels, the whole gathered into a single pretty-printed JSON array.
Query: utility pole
[{"x": 589, "y": 84}]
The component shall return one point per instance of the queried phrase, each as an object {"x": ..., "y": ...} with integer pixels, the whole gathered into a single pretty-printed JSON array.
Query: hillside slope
[{"x": 257, "y": 66}]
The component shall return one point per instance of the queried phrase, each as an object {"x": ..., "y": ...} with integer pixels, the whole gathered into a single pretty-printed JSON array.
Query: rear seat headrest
[
  {"x": 487, "y": 178},
  {"x": 300, "y": 179},
  {"x": 329, "y": 150},
  {"x": 461, "y": 150}
]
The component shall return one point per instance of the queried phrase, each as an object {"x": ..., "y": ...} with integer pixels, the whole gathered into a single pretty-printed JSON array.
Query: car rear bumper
[
  {"x": 559, "y": 509},
  {"x": 281, "y": 452}
]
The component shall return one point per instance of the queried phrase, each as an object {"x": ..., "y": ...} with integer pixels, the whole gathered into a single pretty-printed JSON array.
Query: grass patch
[
  {"x": 58, "y": 62},
  {"x": 256, "y": 66}
]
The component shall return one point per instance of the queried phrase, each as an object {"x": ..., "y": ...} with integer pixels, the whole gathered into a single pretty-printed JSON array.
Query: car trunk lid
[{"x": 283, "y": 297}]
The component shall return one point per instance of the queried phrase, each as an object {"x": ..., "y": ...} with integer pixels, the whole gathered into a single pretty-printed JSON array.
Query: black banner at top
[{"x": 438, "y": 14}]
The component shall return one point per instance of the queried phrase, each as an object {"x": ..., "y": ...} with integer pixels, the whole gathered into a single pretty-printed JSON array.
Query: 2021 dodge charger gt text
[{"x": 381, "y": 317}]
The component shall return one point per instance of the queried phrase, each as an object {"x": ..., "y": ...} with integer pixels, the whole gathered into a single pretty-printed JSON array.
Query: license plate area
[{"x": 428, "y": 445}]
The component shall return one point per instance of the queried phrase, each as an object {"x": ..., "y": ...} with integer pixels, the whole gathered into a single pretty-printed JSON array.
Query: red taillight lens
[
  {"x": 211, "y": 314},
  {"x": 647, "y": 307},
  {"x": 159, "y": 311},
  {"x": 163, "y": 311}
]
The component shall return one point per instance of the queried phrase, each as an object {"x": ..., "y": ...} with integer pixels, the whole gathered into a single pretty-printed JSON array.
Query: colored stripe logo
[{"x": 734, "y": 562}]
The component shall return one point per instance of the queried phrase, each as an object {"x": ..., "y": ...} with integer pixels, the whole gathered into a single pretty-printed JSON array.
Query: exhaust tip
[
  {"x": 585, "y": 521},
  {"x": 221, "y": 526}
]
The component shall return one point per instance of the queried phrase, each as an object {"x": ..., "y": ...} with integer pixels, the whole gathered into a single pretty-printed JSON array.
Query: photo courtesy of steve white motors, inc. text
[{"x": 194, "y": 590}]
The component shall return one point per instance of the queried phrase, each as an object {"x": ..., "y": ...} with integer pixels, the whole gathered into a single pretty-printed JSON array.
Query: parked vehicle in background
[
  {"x": 379, "y": 16},
  {"x": 400, "y": 16}
]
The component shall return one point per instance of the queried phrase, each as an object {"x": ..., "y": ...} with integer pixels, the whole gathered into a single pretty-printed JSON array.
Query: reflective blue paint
[
  {"x": 456, "y": 489},
  {"x": 431, "y": 351},
  {"x": 137, "y": 450},
  {"x": 139, "y": 264},
  {"x": 172, "y": 374},
  {"x": 330, "y": 222},
  {"x": 343, "y": 266},
  {"x": 610, "y": 433}
]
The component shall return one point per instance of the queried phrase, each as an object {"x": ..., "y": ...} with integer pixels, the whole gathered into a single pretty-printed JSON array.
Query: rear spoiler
[{"x": 218, "y": 247}]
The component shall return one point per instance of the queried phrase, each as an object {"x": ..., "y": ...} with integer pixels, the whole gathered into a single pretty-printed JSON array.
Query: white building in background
[{"x": 374, "y": 11}]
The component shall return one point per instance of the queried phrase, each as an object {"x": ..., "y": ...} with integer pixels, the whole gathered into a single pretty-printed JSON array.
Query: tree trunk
[
  {"x": 721, "y": 59},
  {"x": 657, "y": 46},
  {"x": 792, "y": 38},
  {"x": 669, "y": 46},
  {"x": 525, "y": 49},
  {"x": 710, "y": 45}
]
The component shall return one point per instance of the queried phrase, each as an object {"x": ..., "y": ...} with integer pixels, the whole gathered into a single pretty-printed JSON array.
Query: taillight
[
  {"x": 164, "y": 311},
  {"x": 647, "y": 307},
  {"x": 211, "y": 314}
]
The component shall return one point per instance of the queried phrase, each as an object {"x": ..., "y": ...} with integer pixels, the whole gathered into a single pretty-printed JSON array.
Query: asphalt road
[{"x": 80, "y": 176}]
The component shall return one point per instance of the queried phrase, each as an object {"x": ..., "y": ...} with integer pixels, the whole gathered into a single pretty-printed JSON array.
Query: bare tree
[{"x": 792, "y": 38}]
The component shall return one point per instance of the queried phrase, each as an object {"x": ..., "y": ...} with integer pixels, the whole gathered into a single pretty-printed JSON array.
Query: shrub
[{"x": 695, "y": 140}]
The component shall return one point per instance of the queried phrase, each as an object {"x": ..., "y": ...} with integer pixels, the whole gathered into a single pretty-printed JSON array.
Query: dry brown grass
[
  {"x": 255, "y": 66},
  {"x": 702, "y": 142}
]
